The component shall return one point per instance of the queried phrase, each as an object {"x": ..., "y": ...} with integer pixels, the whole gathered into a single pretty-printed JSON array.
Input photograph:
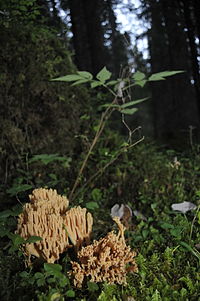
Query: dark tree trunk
[
  {"x": 87, "y": 34},
  {"x": 80, "y": 39},
  {"x": 174, "y": 100},
  {"x": 187, "y": 7}
]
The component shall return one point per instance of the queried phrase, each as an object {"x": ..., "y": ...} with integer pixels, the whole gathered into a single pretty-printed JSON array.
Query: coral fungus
[
  {"x": 79, "y": 225},
  {"x": 46, "y": 216},
  {"x": 105, "y": 260},
  {"x": 43, "y": 217}
]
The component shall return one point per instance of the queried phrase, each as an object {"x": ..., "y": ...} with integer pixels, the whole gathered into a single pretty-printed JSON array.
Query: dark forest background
[{"x": 39, "y": 116}]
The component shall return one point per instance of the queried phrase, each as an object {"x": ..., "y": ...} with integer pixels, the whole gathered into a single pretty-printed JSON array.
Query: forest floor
[{"x": 165, "y": 237}]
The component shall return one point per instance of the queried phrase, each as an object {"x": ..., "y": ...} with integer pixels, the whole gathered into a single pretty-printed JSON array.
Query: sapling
[{"x": 118, "y": 89}]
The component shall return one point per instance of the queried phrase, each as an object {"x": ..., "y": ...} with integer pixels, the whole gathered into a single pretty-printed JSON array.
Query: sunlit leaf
[
  {"x": 85, "y": 74},
  {"x": 92, "y": 205},
  {"x": 138, "y": 76},
  {"x": 140, "y": 83},
  {"x": 104, "y": 75},
  {"x": 129, "y": 111},
  {"x": 68, "y": 78},
  {"x": 81, "y": 81},
  {"x": 134, "y": 102},
  {"x": 96, "y": 83},
  {"x": 70, "y": 293},
  {"x": 161, "y": 75}
]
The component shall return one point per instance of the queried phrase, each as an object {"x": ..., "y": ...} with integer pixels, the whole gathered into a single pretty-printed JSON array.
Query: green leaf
[
  {"x": 112, "y": 83},
  {"x": 24, "y": 274},
  {"x": 47, "y": 158},
  {"x": 104, "y": 75},
  {"x": 38, "y": 275},
  {"x": 68, "y": 78},
  {"x": 70, "y": 293},
  {"x": 129, "y": 111},
  {"x": 95, "y": 84},
  {"x": 162, "y": 75},
  {"x": 5, "y": 213},
  {"x": 92, "y": 205},
  {"x": 166, "y": 226},
  {"x": 138, "y": 76},
  {"x": 18, "y": 188},
  {"x": 140, "y": 83},
  {"x": 92, "y": 286},
  {"x": 16, "y": 239},
  {"x": 96, "y": 194},
  {"x": 33, "y": 239},
  {"x": 56, "y": 296},
  {"x": 81, "y": 81},
  {"x": 52, "y": 268},
  {"x": 106, "y": 105},
  {"x": 85, "y": 74},
  {"x": 134, "y": 102}
]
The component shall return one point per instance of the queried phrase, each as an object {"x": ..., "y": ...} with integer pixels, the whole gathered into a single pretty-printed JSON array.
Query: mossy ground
[{"x": 166, "y": 242}]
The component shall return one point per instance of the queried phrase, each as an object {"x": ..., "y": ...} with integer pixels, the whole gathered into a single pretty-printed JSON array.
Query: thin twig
[
  {"x": 100, "y": 171},
  {"x": 104, "y": 117}
]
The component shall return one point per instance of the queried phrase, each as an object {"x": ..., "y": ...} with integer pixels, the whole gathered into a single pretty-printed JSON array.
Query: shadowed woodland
[{"x": 114, "y": 128}]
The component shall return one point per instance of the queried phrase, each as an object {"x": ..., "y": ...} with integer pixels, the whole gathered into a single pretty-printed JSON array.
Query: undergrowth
[{"x": 166, "y": 241}]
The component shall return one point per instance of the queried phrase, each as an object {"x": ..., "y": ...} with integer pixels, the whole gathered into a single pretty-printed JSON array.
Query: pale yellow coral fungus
[
  {"x": 79, "y": 225},
  {"x": 46, "y": 216},
  {"x": 43, "y": 217},
  {"x": 105, "y": 260}
]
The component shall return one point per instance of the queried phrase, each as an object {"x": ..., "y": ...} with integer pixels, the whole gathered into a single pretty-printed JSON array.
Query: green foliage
[
  {"x": 38, "y": 118},
  {"x": 166, "y": 241}
]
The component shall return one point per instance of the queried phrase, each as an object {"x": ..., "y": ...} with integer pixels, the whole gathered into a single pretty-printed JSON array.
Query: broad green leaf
[
  {"x": 166, "y": 226},
  {"x": 140, "y": 83},
  {"x": 68, "y": 78},
  {"x": 81, "y": 81},
  {"x": 104, "y": 75},
  {"x": 92, "y": 286},
  {"x": 129, "y": 111},
  {"x": 85, "y": 74},
  {"x": 70, "y": 293},
  {"x": 56, "y": 296},
  {"x": 92, "y": 205},
  {"x": 134, "y": 102},
  {"x": 96, "y": 194},
  {"x": 96, "y": 83},
  {"x": 16, "y": 239},
  {"x": 33, "y": 239},
  {"x": 38, "y": 275},
  {"x": 138, "y": 76},
  {"x": 163, "y": 74},
  {"x": 52, "y": 267},
  {"x": 24, "y": 274}
]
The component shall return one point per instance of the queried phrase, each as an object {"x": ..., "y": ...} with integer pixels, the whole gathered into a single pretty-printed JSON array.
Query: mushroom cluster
[
  {"x": 48, "y": 217},
  {"x": 108, "y": 259}
]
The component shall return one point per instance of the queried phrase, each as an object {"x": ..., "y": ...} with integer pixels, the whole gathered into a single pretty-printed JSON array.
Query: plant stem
[
  {"x": 100, "y": 171},
  {"x": 104, "y": 117}
]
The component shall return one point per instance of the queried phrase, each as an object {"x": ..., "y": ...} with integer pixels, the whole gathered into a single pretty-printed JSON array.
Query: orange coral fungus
[
  {"x": 43, "y": 217},
  {"x": 78, "y": 225},
  {"x": 105, "y": 260}
]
